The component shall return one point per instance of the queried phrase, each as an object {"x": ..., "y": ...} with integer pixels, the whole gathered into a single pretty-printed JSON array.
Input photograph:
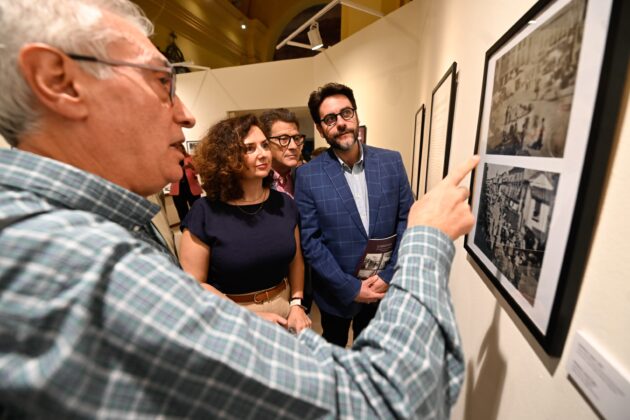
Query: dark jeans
[{"x": 335, "y": 329}]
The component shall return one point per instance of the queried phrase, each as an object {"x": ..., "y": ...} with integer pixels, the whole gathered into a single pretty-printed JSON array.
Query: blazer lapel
[
  {"x": 373, "y": 180},
  {"x": 335, "y": 173}
]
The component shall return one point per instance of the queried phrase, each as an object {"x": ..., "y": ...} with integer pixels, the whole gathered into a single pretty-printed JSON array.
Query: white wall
[
  {"x": 210, "y": 95},
  {"x": 393, "y": 65}
]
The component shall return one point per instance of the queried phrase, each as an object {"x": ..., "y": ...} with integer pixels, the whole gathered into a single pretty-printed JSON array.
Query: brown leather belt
[{"x": 260, "y": 296}]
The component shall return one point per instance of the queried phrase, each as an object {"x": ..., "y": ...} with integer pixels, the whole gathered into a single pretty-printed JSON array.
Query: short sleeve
[{"x": 197, "y": 219}]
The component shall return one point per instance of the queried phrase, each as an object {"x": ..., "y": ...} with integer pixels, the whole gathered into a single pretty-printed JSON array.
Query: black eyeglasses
[
  {"x": 285, "y": 139},
  {"x": 169, "y": 69},
  {"x": 331, "y": 119}
]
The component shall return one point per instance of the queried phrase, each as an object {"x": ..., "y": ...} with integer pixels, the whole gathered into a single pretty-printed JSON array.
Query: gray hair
[{"x": 70, "y": 25}]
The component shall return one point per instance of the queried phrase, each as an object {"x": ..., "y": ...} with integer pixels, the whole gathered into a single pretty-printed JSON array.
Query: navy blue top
[{"x": 250, "y": 246}]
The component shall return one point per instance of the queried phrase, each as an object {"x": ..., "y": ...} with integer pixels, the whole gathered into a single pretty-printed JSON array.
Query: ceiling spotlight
[
  {"x": 314, "y": 37},
  {"x": 243, "y": 26}
]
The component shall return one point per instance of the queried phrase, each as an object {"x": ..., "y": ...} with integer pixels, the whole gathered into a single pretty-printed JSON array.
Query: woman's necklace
[
  {"x": 260, "y": 206},
  {"x": 255, "y": 199}
]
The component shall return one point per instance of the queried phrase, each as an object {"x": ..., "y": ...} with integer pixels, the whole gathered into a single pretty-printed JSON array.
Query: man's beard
[{"x": 334, "y": 143}]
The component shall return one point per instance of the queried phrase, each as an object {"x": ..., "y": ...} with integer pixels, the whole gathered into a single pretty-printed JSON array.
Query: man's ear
[{"x": 53, "y": 79}]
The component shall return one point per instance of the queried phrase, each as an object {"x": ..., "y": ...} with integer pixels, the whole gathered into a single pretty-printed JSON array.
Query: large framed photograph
[
  {"x": 416, "y": 164},
  {"x": 550, "y": 99},
  {"x": 440, "y": 128}
]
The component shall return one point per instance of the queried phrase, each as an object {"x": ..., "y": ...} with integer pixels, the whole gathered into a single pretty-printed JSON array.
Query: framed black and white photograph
[
  {"x": 191, "y": 146},
  {"x": 440, "y": 128},
  {"x": 362, "y": 134},
  {"x": 550, "y": 99},
  {"x": 416, "y": 153}
]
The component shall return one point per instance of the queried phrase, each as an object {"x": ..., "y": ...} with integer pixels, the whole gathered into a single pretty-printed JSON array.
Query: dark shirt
[{"x": 250, "y": 246}]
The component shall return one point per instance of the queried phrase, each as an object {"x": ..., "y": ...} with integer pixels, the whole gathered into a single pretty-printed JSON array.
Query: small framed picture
[
  {"x": 416, "y": 164},
  {"x": 191, "y": 146},
  {"x": 440, "y": 128},
  {"x": 362, "y": 134}
]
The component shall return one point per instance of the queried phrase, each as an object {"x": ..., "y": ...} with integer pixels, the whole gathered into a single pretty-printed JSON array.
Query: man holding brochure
[{"x": 353, "y": 200}]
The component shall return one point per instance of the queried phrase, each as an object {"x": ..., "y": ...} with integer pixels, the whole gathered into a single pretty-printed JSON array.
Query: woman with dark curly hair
[{"x": 242, "y": 238}]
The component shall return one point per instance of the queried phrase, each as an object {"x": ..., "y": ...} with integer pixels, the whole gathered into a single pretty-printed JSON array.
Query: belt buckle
[{"x": 266, "y": 292}]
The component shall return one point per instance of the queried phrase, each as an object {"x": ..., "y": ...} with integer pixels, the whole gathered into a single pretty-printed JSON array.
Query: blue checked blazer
[{"x": 332, "y": 234}]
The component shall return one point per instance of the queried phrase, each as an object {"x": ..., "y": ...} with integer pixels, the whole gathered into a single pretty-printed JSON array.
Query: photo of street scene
[
  {"x": 533, "y": 88},
  {"x": 515, "y": 208},
  {"x": 373, "y": 263}
]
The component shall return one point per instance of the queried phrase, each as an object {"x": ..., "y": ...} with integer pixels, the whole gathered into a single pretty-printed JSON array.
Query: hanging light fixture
[
  {"x": 314, "y": 37},
  {"x": 174, "y": 55}
]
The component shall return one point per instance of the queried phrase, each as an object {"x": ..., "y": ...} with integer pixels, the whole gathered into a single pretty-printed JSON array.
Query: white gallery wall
[
  {"x": 393, "y": 65},
  {"x": 210, "y": 95}
]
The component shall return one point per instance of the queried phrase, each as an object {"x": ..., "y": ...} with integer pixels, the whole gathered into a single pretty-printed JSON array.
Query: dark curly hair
[
  {"x": 219, "y": 158},
  {"x": 317, "y": 97}
]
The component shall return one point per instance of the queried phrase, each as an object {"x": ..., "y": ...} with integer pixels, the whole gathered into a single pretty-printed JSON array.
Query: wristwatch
[{"x": 297, "y": 302}]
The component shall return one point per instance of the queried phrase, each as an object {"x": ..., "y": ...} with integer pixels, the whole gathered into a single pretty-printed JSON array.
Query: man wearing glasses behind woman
[
  {"x": 242, "y": 239},
  {"x": 282, "y": 128}
]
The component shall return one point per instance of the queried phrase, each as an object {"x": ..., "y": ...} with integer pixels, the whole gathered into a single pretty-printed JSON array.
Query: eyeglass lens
[
  {"x": 284, "y": 140},
  {"x": 331, "y": 119},
  {"x": 172, "y": 91}
]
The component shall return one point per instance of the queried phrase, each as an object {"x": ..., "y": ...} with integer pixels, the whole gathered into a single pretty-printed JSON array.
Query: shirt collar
[
  {"x": 281, "y": 180},
  {"x": 73, "y": 188},
  {"x": 359, "y": 162}
]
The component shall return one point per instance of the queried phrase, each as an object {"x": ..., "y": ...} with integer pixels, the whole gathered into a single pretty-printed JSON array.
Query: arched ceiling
[{"x": 209, "y": 32}]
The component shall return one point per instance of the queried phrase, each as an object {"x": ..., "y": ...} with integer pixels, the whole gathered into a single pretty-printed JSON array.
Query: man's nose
[{"x": 183, "y": 116}]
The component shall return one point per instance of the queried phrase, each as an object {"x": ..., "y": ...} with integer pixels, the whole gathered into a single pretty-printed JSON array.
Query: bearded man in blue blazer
[{"x": 345, "y": 196}]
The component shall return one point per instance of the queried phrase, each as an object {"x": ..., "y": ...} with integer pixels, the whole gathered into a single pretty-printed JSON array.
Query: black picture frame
[
  {"x": 191, "y": 145},
  {"x": 440, "y": 128},
  {"x": 416, "y": 170},
  {"x": 554, "y": 172},
  {"x": 362, "y": 134}
]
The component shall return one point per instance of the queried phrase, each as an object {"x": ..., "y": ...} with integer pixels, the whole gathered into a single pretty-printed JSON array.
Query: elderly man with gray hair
[{"x": 97, "y": 322}]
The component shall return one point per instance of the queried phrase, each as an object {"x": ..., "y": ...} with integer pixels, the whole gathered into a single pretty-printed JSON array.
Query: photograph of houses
[
  {"x": 533, "y": 88},
  {"x": 515, "y": 210}
]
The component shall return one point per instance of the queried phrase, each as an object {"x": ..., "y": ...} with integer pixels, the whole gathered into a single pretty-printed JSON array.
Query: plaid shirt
[{"x": 97, "y": 323}]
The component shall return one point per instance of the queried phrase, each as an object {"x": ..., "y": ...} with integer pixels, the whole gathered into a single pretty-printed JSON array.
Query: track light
[
  {"x": 312, "y": 21},
  {"x": 314, "y": 37}
]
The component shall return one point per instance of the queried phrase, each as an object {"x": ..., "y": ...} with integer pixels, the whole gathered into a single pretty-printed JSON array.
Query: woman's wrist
[{"x": 297, "y": 302}]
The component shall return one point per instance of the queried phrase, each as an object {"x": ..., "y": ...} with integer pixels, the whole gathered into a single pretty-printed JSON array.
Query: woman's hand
[
  {"x": 298, "y": 320},
  {"x": 274, "y": 318}
]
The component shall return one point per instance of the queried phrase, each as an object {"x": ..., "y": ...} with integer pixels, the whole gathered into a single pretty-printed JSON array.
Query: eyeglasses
[
  {"x": 285, "y": 139},
  {"x": 169, "y": 69},
  {"x": 331, "y": 119}
]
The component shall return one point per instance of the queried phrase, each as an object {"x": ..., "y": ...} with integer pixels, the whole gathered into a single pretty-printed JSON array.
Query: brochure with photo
[{"x": 377, "y": 254}]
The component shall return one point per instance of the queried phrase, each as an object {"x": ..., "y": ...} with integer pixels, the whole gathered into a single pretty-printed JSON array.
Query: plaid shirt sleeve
[{"x": 97, "y": 325}]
